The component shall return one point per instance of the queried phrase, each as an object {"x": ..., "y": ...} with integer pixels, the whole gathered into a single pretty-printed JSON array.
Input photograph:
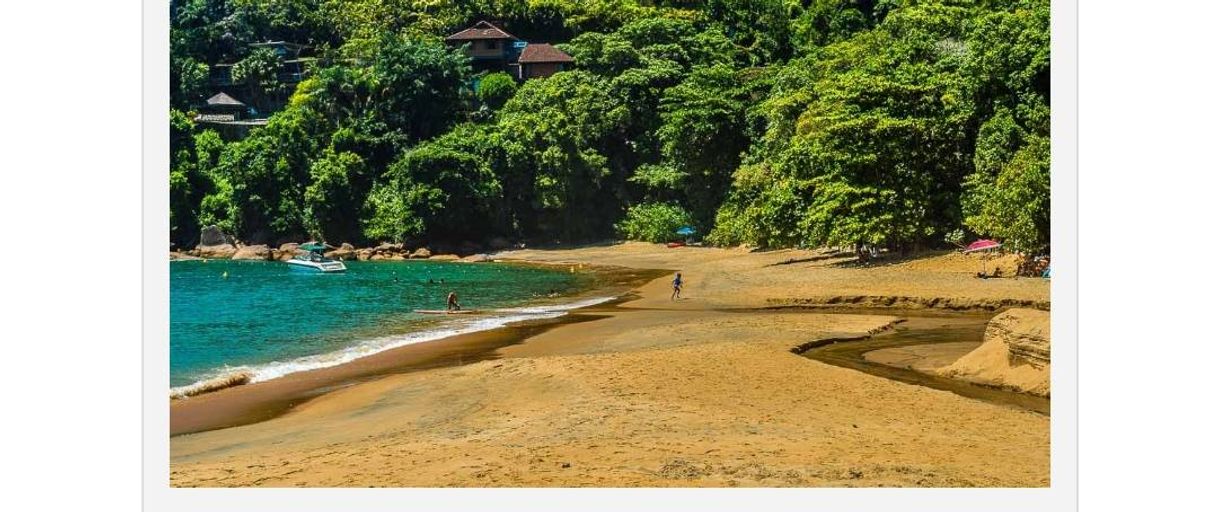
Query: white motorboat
[{"x": 315, "y": 259}]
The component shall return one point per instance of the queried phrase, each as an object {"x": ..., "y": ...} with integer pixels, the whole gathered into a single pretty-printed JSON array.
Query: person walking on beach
[
  {"x": 676, "y": 286},
  {"x": 453, "y": 305}
]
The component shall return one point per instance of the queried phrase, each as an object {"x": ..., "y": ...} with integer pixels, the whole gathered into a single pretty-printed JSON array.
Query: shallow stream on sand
[{"x": 922, "y": 330}]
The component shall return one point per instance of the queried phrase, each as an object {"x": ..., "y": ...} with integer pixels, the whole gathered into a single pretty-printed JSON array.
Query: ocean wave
[{"x": 239, "y": 375}]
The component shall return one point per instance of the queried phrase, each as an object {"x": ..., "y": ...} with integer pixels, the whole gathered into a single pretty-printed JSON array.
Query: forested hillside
[{"x": 898, "y": 123}]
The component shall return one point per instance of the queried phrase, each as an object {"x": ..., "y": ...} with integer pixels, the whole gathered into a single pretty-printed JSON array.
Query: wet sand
[
  {"x": 252, "y": 403},
  {"x": 696, "y": 392},
  {"x": 262, "y": 401}
]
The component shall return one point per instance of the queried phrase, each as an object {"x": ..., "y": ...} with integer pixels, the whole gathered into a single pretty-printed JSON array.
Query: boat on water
[{"x": 315, "y": 259}]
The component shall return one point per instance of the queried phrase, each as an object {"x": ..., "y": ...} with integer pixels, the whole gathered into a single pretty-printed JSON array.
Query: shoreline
[
  {"x": 244, "y": 402},
  {"x": 261, "y": 401},
  {"x": 702, "y": 391},
  {"x": 605, "y": 283}
]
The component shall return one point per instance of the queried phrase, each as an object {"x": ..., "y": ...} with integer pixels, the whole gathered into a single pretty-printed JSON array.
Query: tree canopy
[{"x": 771, "y": 123}]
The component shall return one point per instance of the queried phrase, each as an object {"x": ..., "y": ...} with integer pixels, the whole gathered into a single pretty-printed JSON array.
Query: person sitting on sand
[
  {"x": 676, "y": 287},
  {"x": 453, "y": 305}
]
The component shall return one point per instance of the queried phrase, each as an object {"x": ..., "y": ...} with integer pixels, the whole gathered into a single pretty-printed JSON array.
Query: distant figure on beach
[
  {"x": 453, "y": 305},
  {"x": 676, "y": 286}
]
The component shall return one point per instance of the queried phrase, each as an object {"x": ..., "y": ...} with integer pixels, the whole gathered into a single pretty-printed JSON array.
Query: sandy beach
[{"x": 702, "y": 391}]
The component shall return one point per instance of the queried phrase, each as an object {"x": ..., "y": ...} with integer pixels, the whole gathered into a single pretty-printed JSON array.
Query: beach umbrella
[
  {"x": 982, "y": 245},
  {"x": 685, "y": 231}
]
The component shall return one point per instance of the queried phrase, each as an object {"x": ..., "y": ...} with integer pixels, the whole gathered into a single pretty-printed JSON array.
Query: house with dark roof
[
  {"x": 221, "y": 108},
  {"x": 490, "y": 47},
  {"x": 493, "y": 49},
  {"x": 227, "y": 115},
  {"x": 541, "y": 60}
]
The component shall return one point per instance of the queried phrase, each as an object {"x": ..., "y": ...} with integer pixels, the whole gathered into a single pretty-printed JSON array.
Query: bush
[
  {"x": 653, "y": 222},
  {"x": 495, "y": 89}
]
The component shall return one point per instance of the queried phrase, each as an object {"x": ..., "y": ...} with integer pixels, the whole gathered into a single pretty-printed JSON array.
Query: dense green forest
[{"x": 773, "y": 123}]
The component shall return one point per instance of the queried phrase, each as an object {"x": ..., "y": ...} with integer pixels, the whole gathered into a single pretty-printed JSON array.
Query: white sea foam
[{"x": 499, "y": 318}]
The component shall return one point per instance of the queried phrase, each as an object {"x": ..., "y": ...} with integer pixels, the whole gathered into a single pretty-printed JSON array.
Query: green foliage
[
  {"x": 331, "y": 203},
  {"x": 1013, "y": 205},
  {"x": 759, "y": 28},
  {"x": 653, "y": 222},
  {"x": 443, "y": 186},
  {"x": 258, "y": 70},
  {"x": 767, "y": 122},
  {"x": 495, "y": 89},
  {"x": 869, "y": 139},
  {"x": 194, "y": 156},
  {"x": 193, "y": 81},
  {"x": 704, "y": 132},
  {"x": 559, "y": 133}
]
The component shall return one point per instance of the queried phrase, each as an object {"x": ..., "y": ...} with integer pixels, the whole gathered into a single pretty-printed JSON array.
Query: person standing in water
[
  {"x": 676, "y": 287},
  {"x": 453, "y": 305}
]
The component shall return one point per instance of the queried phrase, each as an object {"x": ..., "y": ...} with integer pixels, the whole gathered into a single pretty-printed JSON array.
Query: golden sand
[{"x": 659, "y": 393}]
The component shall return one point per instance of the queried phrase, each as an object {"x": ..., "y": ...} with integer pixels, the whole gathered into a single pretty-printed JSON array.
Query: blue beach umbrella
[{"x": 685, "y": 231}]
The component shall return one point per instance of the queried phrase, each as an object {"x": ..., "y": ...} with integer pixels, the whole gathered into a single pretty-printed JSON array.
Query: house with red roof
[
  {"x": 540, "y": 60},
  {"x": 494, "y": 49}
]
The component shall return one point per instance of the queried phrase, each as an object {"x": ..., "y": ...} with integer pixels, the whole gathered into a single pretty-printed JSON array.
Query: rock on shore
[
  {"x": 221, "y": 251},
  {"x": 253, "y": 252},
  {"x": 1014, "y": 355}
]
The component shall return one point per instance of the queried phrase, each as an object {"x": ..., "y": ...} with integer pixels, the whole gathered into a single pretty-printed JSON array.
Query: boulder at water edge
[
  {"x": 253, "y": 252},
  {"x": 221, "y": 251}
]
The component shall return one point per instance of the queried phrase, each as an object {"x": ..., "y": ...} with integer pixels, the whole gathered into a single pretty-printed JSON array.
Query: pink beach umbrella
[{"x": 982, "y": 245}]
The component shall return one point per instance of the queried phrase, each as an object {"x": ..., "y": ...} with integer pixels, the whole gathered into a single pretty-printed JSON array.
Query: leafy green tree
[
  {"x": 440, "y": 190},
  {"x": 653, "y": 222},
  {"x": 759, "y": 28},
  {"x": 194, "y": 155},
  {"x": 558, "y": 131},
  {"x": 496, "y": 89},
  {"x": 868, "y": 141},
  {"x": 259, "y": 74},
  {"x": 823, "y": 22},
  {"x": 766, "y": 122},
  {"x": 1008, "y": 195},
  {"x": 703, "y": 135},
  {"x": 193, "y": 80},
  {"x": 331, "y": 202}
]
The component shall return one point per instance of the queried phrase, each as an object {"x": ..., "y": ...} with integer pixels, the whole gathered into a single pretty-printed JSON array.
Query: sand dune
[{"x": 1015, "y": 354}]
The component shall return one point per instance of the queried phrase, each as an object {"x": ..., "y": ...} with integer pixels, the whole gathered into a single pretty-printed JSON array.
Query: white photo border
[{"x": 1061, "y": 495}]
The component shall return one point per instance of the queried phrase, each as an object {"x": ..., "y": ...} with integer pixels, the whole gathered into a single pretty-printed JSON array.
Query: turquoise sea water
[{"x": 272, "y": 319}]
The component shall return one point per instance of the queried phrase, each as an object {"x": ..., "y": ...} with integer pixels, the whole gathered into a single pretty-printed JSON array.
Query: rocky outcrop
[
  {"x": 287, "y": 251},
  {"x": 253, "y": 252},
  {"x": 343, "y": 252},
  {"x": 444, "y": 257},
  {"x": 421, "y": 253},
  {"x": 221, "y": 251},
  {"x": 212, "y": 236},
  {"x": 476, "y": 258},
  {"x": 1014, "y": 354}
]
